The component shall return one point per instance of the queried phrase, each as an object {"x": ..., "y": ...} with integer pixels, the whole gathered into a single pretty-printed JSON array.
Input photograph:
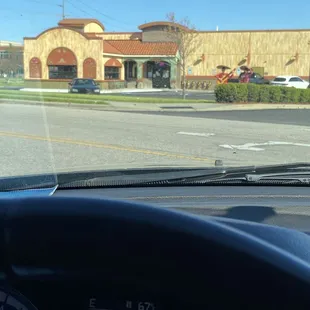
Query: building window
[
  {"x": 5, "y": 55},
  {"x": 62, "y": 72},
  {"x": 111, "y": 73}
]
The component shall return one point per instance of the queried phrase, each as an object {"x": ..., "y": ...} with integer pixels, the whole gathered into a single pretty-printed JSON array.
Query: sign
[{"x": 189, "y": 70}]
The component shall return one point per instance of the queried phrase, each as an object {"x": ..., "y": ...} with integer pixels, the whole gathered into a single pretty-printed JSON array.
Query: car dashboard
[{"x": 200, "y": 247}]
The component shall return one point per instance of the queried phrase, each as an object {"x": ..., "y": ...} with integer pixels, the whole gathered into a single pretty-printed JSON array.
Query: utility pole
[{"x": 63, "y": 9}]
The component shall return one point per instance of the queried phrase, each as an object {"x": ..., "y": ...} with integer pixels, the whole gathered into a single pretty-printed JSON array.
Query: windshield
[
  {"x": 173, "y": 86},
  {"x": 280, "y": 79},
  {"x": 83, "y": 82}
]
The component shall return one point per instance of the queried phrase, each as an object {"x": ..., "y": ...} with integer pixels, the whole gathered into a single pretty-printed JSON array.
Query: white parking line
[
  {"x": 195, "y": 134},
  {"x": 255, "y": 146}
]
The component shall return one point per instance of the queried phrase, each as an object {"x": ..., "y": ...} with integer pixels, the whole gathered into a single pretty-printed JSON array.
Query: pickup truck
[{"x": 255, "y": 78}]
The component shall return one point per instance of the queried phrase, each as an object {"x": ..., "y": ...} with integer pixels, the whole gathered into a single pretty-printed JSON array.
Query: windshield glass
[
  {"x": 174, "y": 86},
  {"x": 280, "y": 79},
  {"x": 82, "y": 82}
]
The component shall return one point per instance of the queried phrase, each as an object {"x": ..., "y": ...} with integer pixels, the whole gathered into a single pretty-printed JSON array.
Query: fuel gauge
[{"x": 13, "y": 300}]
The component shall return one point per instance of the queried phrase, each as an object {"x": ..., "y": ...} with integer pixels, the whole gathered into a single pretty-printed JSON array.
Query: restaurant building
[{"x": 147, "y": 58}]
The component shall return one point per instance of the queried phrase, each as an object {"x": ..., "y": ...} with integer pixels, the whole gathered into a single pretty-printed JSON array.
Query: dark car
[
  {"x": 84, "y": 86},
  {"x": 254, "y": 78}
]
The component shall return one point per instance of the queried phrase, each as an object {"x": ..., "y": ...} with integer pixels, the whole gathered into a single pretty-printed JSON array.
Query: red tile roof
[
  {"x": 137, "y": 47},
  {"x": 109, "y": 48}
]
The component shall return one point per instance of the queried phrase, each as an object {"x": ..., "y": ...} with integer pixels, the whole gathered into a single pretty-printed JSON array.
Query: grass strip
[{"x": 66, "y": 97}]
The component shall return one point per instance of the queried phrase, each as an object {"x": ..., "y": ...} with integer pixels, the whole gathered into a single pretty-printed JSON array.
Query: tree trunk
[
  {"x": 183, "y": 87},
  {"x": 183, "y": 80}
]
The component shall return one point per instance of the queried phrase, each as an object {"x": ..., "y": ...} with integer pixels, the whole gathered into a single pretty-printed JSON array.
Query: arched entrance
[
  {"x": 62, "y": 64},
  {"x": 89, "y": 69},
  {"x": 131, "y": 70},
  {"x": 160, "y": 72}
]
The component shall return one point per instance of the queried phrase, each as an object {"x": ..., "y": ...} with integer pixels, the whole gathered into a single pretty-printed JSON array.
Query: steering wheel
[{"x": 76, "y": 245}]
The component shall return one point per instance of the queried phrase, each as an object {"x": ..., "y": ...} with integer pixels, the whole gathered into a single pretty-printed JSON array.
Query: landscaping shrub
[
  {"x": 305, "y": 96},
  {"x": 241, "y": 93},
  {"x": 225, "y": 93},
  {"x": 274, "y": 94},
  {"x": 285, "y": 94},
  {"x": 264, "y": 95},
  {"x": 253, "y": 92},
  {"x": 294, "y": 95},
  {"x": 236, "y": 92}
]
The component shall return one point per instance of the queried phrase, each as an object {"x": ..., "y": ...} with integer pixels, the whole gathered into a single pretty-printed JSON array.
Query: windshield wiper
[
  {"x": 300, "y": 177},
  {"x": 296, "y": 173}
]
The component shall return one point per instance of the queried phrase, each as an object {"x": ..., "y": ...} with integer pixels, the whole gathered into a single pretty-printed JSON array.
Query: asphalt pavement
[
  {"x": 203, "y": 95},
  {"x": 299, "y": 117},
  {"x": 39, "y": 139}
]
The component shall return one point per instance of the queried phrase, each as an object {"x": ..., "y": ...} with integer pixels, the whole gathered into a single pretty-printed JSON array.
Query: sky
[{"x": 27, "y": 18}]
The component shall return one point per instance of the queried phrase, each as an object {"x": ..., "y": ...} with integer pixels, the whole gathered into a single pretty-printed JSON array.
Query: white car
[{"x": 290, "y": 81}]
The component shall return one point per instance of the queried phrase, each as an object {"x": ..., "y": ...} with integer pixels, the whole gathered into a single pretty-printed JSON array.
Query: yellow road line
[{"x": 102, "y": 145}]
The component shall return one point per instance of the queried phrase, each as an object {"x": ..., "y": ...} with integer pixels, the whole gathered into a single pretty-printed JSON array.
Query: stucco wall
[
  {"x": 272, "y": 50},
  {"x": 48, "y": 41},
  {"x": 92, "y": 27}
]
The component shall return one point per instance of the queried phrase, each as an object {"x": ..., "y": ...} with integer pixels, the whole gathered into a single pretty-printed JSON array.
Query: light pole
[{"x": 309, "y": 63}]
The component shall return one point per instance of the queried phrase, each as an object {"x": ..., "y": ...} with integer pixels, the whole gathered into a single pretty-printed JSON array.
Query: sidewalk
[
  {"x": 195, "y": 107},
  {"x": 176, "y": 107}
]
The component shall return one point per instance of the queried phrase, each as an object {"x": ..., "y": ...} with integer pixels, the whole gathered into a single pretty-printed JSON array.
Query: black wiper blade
[
  {"x": 283, "y": 168},
  {"x": 182, "y": 176},
  {"x": 141, "y": 177},
  {"x": 295, "y": 177},
  {"x": 283, "y": 172}
]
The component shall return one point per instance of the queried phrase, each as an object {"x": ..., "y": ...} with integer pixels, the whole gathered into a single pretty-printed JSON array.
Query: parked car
[
  {"x": 84, "y": 86},
  {"x": 290, "y": 81},
  {"x": 255, "y": 78}
]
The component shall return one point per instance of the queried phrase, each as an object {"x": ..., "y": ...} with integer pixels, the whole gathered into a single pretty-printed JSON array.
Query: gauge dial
[{"x": 12, "y": 300}]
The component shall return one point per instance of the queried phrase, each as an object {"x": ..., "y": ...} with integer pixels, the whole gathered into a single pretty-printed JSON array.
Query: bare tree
[{"x": 184, "y": 34}]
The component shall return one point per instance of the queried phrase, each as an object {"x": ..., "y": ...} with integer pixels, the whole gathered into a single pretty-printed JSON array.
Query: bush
[
  {"x": 225, "y": 93},
  {"x": 264, "y": 93},
  {"x": 241, "y": 93},
  {"x": 285, "y": 94},
  {"x": 253, "y": 92},
  {"x": 305, "y": 96},
  {"x": 294, "y": 95},
  {"x": 274, "y": 94},
  {"x": 236, "y": 92}
]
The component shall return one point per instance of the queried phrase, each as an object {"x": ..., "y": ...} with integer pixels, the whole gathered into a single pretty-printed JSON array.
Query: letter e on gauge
[{"x": 92, "y": 303}]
